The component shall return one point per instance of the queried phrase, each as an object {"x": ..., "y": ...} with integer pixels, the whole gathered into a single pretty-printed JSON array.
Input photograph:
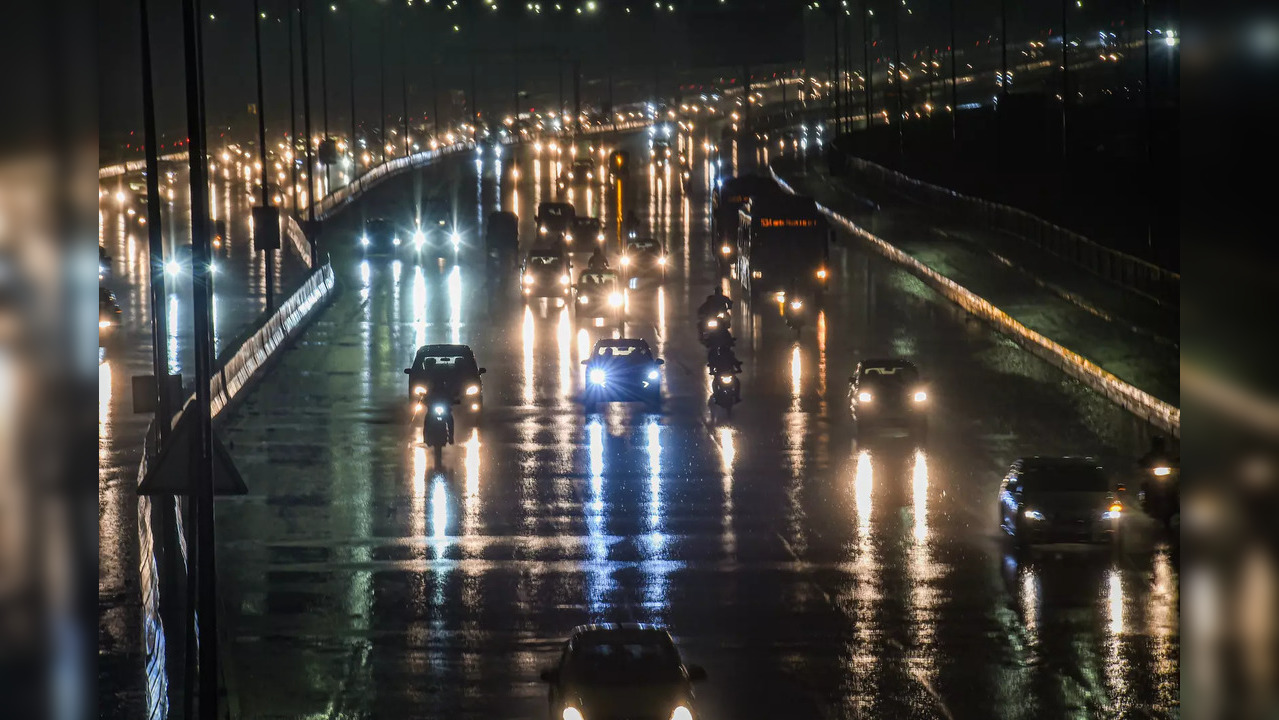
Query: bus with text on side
[
  {"x": 783, "y": 247},
  {"x": 726, "y": 200}
]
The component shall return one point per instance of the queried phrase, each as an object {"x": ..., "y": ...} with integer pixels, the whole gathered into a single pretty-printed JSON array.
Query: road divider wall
[{"x": 1157, "y": 413}]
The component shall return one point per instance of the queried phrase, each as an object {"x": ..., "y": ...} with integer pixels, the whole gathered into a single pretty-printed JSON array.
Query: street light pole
[
  {"x": 324, "y": 94},
  {"x": 155, "y": 239},
  {"x": 306, "y": 128},
  {"x": 867, "y": 14},
  {"x": 268, "y": 254},
  {"x": 404, "y": 91},
  {"x": 954, "y": 83},
  {"x": 350, "y": 54}
]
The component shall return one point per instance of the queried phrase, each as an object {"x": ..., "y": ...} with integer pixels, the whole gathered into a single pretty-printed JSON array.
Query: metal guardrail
[
  {"x": 1154, "y": 411},
  {"x": 1156, "y": 283},
  {"x": 228, "y": 381}
]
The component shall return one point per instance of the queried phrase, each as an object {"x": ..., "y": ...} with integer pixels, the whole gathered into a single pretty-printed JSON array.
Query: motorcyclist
[
  {"x": 721, "y": 358},
  {"x": 1157, "y": 455},
  {"x": 598, "y": 261},
  {"x": 1160, "y": 494},
  {"x": 716, "y": 302}
]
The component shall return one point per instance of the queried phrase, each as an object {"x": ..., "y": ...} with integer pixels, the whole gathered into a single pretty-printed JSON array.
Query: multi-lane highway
[{"x": 810, "y": 574}]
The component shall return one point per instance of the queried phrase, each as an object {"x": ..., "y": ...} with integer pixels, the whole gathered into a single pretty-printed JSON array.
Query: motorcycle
[
  {"x": 726, "y": 390},
  {"x": 437, "y": 426},
  {"x": 1160, "y": 493},
  {"x": 720, "y": 320},
  {"x": 795, "y": 310}
]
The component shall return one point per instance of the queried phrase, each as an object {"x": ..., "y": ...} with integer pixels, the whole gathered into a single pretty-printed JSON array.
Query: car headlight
[
  {"x": 1115, "y": 511},
  {"x": 528, "y": 279},
  {"x": 726, "y": 379},
  {"x": 419, "y": 390},
  {"x": 456, "y": 238},
  {"x": 726, "y": 250},
  {"x": 364, "y": 240},
  {"x": 564, "y": 279},
  {"x": 172, "y": 267},
  {"x": 438, "y": 410},
  {"x": 864, "y": 397},
  {"x": 395, "y": 242},
  {"x": 584, "y": 299},
  {"x": 598, "y": 377},
  {"x": 821, "y": 274},
  {"x": 599, "y": 237},
  {"x": 661, "y": 260},
  {"x": 571, "y": 713},
  {"x": 542, "y": 230},
  {"x": 796, "y": 304},
  {"x": 419, "y": 238},
  {"x": 615, "y": 299},
  {"x": 921, "y": 396},
  {"x": 682, "y": 713},
  {"x": 568, "y": 237},
  {"x": 625, "y": 260},
  {"x": 653, "y": 375},
  {"x": 472, "y": 389},
  {"x": 104, "y": 324},
  {"x": 1162, "y": 471},
  {"x": 1033, "y": 515}
]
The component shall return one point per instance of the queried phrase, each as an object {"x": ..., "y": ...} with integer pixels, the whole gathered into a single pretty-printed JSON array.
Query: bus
[
  {"x": 727, "y": 199},
  {"x": 783, "y": 246}
]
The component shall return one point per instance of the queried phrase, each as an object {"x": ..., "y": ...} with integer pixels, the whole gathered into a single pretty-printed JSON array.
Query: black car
[
  {"x": 600, "y": 301},
  {"x": 643, "y": 257},
  {"x": 588, "y": 229},
  {"x": 181, "y": 262},
  {"x": 379, "y": 238},
  {"x": 446, "y": 370},
  {"x": 547, "y": 272},
  {"x": 435, "y": 234},
  {"x": 888, "y": 393},
  {"x": 1058, "y": 499},
  {"x": 622, "y": 370},
  {"x": 554, "y": 221},
  {"x": 621, "y": 670},
  {"x": 108, "y": 314}
]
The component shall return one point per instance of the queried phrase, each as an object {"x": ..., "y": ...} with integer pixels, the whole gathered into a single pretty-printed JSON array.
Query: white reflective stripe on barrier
[{"x": 1142, "y": 404}]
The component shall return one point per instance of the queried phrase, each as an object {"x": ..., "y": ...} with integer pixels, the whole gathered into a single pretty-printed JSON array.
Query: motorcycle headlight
[
  {"x": 1162, "y": 471},
  {"x": 1033, "y": 515},
  {"x": 796, "y": 304},
  {"x": 821, "y": 274},
  {"x": 585, "y": 300},
  {"x": 364, "y": 240},
  {"x": 419, "y": 390},
  {"x": 661, "y": 260},
  {"x": 921, "y": 396},
  {"x": 102, "y": 324},
  {"x": 528, "y": 279},
  {"x": 712, "y": 324},
  {"x": 726, "y": 250},
  {"x": 542, "y": 230},
  {"x": 625, "y": 260},
  {"x": 172, "y": 267},
  {"x": 456, "y": 238},
  {"x": 682, "y": 713},
  {"x": 726, "y": 379},
  {"x": 472, "y": 389},
  {"x": 598, "y": 377},
  {"x": 568, "y": 237},
  {"x": 615, "y": 299},
  {"x": 864, "y": 397},
  {"x": 564, "y": 279},
  {"x": 571, "y": 713},
  {"x": 438, "y": 410},
  {"x": 1114, "y": 512},
  {"x": 653, "y": 375},
  {"x": 395, "y": 242}
]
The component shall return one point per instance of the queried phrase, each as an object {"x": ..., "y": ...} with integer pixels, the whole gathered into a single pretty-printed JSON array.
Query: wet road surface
[{"x": 810, "y": 574}]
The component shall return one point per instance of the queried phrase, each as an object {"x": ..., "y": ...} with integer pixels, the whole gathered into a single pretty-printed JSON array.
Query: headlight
[
  {"x": 172, "y": 267},
  {"x": 653, "y": 375},
  {"x": 682, "y": 713},
  {"x": 615, "y": 299},
  {"x": 661, "y": 260},
  {"x": 625, "y": 261},
  {"x": 364, "y": 240},
  {"x": 395, "y": 242},
  {"x": 528, "y": 279},
  {"x": 821, "y": 274},
  {"x": 564, "y": 279},
  {"x": 726, "y": 250},
  {"x": 104, "y": 324},
  {"x": 472, "y": 389},
  {"x": 568, "y": 237},
  {"x": 456, "y": 238},
  {"x": 1033, "y": 515},
  {"x": 584, "y": 299},
  {"x": 571, "y": 713},
  {"x": 1116, "y": 510},
  {"x": 1162, "y": 471},
  {"x": 419, "y": 390},
  {"x": 598, "y": 377},
  {"x": 599, "y": 237},
  {"x": 864, "y": 397},
  {"x": 438, "y": 410},
  {"x": 419, "y": 238},
  {"x": 712, "y": 324},
  {"x": 796, "y": 304},
  {"x": 921, "y": 396},
  {"x": 726, "y": 379},
  {"x": 542, "y": 230}
]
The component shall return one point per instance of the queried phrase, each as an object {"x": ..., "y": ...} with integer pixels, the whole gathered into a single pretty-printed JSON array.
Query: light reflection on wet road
[{"x": 812, "y": 576}]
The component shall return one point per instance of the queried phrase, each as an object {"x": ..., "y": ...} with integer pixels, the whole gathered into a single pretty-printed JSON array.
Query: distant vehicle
[
  {"x": 502, "y": 244},
  {"x": 619, "y": 164},
  {"x": 660, "y": 152},
  {"x": 731, "y": 195},
  {"x": 554, "y": 222},
  {"x": 435, "y": 234},
  {"x": 588, "y": 228},
  {"x": 783, "y": 247},
  {"x": 888, "y": 393},
  {"x": 104, "y": 263},
  {"x": 582, "y": 172},
  {"x": 622, "y": 370},
  {"x": 108, "y": 314},
  {"x": 547, "y": 272},
  {"x": 1058, "y": 499},
  {"x": 379, "y": 238},
  {"x": 446, "y": 371},
  {"x": 599, "y": 301},
  {"x": 180, "y": 263},
  {"x": 626, "y": 670},
  {"x": 643, "y": 257}
]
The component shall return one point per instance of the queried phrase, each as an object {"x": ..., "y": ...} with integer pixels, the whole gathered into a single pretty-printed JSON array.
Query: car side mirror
[
  {"x": 550, "y": 675},
  {"x": 696, "y": 673},
  {"x": 483, "y": 370},
  {"x": 408, "y": 370},
  {"x": 586, "y": 362},
  {"x": 661, "y": 361}
]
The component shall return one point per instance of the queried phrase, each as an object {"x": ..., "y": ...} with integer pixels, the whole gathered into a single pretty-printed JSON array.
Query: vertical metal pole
[
  {"x": 350, "y": 54},
  {"x": 306, "y": 119},
  {"x": 577, "y": 97},
  {"x": 837, "y": 81},
  {"x": 435, "y": 97},
  {"x": 868, "y": 72},
  {"x": 381, "y": 82},
  {"x": 897, "y": 77},
  {"x": 293, "y": 122},
  {"x": 954, "y": 82},
  {"x": 267, "y": 255},
  {"x": 201, "y": 488},
  {"x": 1003, "y": 48},
  {"x": 155, "y": 237},
  {"x": 404, "y": 91},
  {"x": 324, "y": 93},
  {"x": 1148, "y": 110},
  {"x": 1065, "y": 79}
]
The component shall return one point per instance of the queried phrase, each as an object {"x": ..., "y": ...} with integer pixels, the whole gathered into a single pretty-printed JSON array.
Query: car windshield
[
  {"x": 642, "y": 245},
  {"x": 633, "y": 657},
  {"x": 554, "y": 211},
  {"x": 450, "y": 364},
  {"x": 543, "y": 259},
  {"x": 1072, "y": 477},
  {"x": 629, "y": 353},
  {"x": 889, "y": 376}
]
